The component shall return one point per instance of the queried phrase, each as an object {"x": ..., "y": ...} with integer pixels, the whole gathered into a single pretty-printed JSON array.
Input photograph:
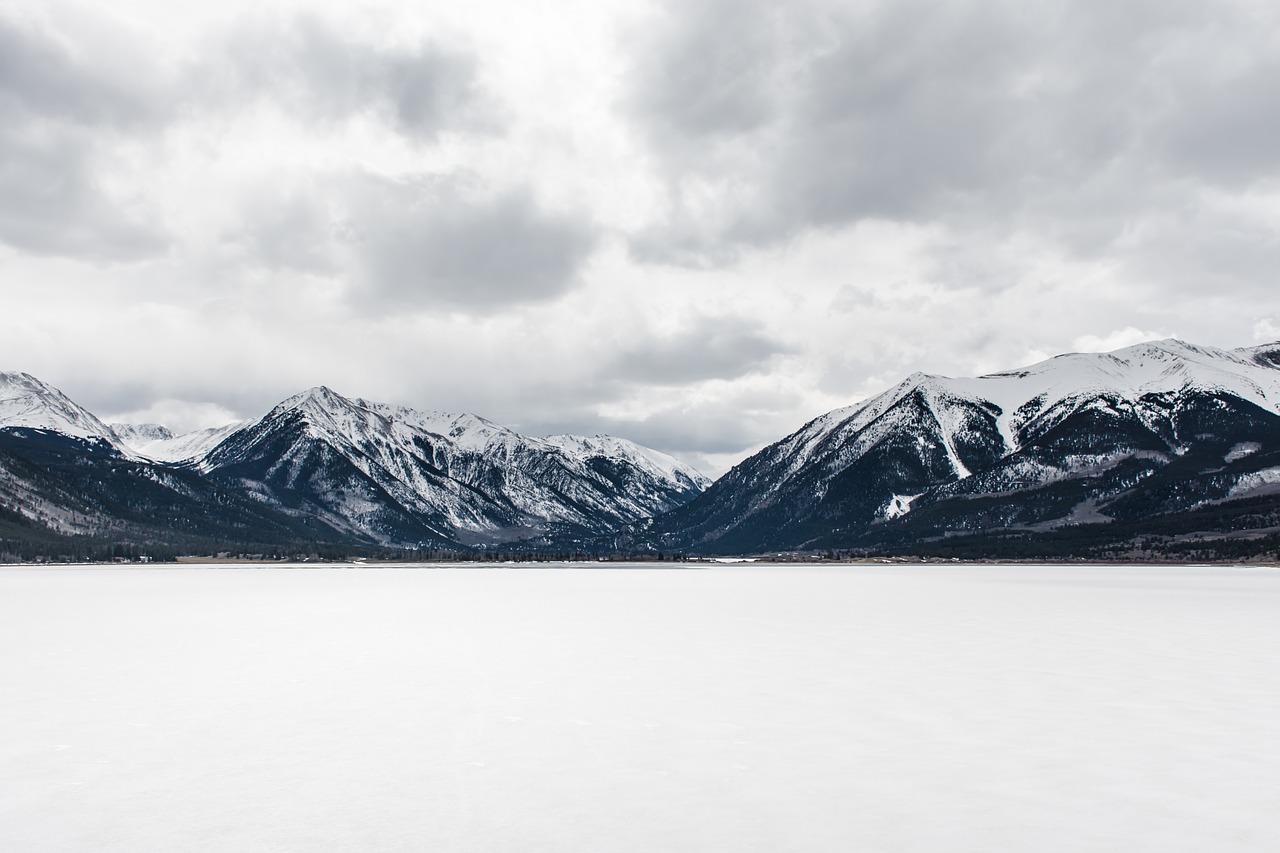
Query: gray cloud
[
  {"x": 40, "y": 76},
  {"x": 430, "y": 242},
  {"x": 713, "y": 434},
  {"x": 710, "y": 436},
  {"x": 51, "y": 203},
  {"x": 693, "y": 86},
  {"x": 1227, "y": 130},
  {"x": 709, "y": 432},
  {"x": 56, "y": 108},
  {"x": 714, "y": 348},
  {"x": 895, "y": 109},
  {"x": 308, "y": 66},
  {"x": 287, "y": 228},
  {"x": 69, "y": 104},
  {"x": 182, "y": 404},
  {"x": 301, "y": 64},
  {"x": 1070, "y": 120},
  {"x": 413, "y": 243}
]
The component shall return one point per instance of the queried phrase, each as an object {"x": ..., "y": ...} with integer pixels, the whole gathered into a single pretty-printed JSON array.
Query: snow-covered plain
[{"x": 730, "y": 708}]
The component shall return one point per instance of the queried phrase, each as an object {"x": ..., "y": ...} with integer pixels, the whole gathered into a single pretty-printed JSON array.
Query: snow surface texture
[{"x": 737, "y": 708}]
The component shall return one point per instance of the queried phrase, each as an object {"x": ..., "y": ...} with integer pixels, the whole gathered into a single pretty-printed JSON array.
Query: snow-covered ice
[{"x": 728, "y": 708}]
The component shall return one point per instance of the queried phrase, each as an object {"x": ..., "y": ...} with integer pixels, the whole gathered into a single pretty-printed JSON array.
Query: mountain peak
[
  {"x": 322, "y": 393},
  {"x": 318, "y": 398},
  {"x": 28, "y": 403},
  {"x": 12, "y": 382}
]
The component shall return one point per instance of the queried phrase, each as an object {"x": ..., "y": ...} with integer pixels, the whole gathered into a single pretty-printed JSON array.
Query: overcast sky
[{"x": 696, "y": 225}]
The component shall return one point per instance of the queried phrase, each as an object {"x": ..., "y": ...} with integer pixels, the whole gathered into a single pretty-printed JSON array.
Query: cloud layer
[{"x": 694, "y": 224}]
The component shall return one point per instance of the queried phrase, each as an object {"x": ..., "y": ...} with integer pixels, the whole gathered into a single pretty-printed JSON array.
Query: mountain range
[
  {"x": 1161, "y": 450},
  {"x": 320, "y": 467},
  {"x": 1109, "y": 452}
]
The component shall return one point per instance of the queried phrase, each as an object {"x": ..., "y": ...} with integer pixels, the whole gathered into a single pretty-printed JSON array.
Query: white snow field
[{"x": 730, "y": 708}]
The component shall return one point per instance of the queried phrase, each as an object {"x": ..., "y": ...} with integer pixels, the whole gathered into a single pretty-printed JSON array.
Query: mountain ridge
[
  {"x": 1147, "y": 449},
  {"x": 848, "y": 476},
  {"x": 451, "y": 472},
  {"x": 383, "y": 474}
]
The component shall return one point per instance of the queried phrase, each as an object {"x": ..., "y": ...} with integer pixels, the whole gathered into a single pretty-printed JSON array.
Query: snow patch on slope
[
  {"x": 898, "y": 506},
  {"x": 1241, "y": 450},
  {"x": 1256, "y": 481}
]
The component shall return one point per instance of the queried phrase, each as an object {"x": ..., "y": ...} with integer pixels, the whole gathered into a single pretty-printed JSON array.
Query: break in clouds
[{"x": 695, "y": 224}]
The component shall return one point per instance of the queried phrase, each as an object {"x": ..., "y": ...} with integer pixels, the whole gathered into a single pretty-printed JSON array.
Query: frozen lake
[{"x": 734, "y": 708}]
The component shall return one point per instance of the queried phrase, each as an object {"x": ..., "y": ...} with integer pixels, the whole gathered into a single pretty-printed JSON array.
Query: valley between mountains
[{"x": 1164, "y": 450}]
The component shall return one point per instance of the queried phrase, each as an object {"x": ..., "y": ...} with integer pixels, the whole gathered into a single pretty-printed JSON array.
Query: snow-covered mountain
[
  {"x": 398, "y": 474},
  {"x": 940, "y": 455},
  {"x": 1162, "y": 441},
  {"x": 70, "y": 488},
  {"x": 26, "y": 403},
  {"x": 347, "y": 469}
]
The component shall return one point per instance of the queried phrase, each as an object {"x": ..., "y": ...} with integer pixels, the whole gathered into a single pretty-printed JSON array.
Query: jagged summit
[
  {"x": 327, "y": 410},
  {"x": 320, "y": 397}
]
